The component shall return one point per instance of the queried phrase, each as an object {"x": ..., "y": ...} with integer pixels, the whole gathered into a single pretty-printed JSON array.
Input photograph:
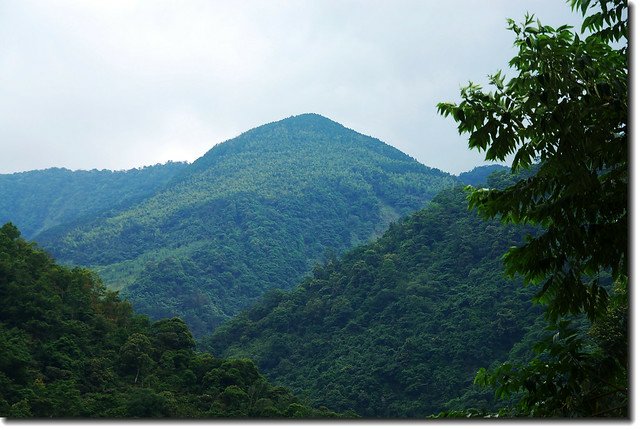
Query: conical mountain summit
[{"x": 252, "y": 214}]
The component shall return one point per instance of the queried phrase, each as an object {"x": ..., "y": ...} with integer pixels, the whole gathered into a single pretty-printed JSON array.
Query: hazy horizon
[
  {"x": 121, "y": 85},
  {"x": 192, "y": 161}
]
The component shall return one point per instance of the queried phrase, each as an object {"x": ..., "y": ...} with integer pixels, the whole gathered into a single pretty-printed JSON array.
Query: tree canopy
[{"x": 70, "y": 348}]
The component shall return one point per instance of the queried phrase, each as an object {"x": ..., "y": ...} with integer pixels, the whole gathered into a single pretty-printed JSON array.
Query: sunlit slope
[{"x": 39, "y": 200}]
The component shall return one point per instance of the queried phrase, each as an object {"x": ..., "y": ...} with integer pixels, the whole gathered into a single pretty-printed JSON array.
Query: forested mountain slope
[
  {"x": 479, "y": 175},
  {"x": 252, "y": 214},
  {"x": 395, "y": 328},
  {"x": 41, "y": 199},
  {"x": 70, "y": 348}
]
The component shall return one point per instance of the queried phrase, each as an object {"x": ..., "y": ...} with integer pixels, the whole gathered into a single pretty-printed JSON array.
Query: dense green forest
[
  {"x": 398, "y": 327},
  {"x": 564, "y": 111},
  {"x": 479, "y": 175},
  {"x": 508, "y": 298},
  {"x": 252, "y": 214},
  {"x": 71, "y": 348},
  {"x": 39, "y": 200}
]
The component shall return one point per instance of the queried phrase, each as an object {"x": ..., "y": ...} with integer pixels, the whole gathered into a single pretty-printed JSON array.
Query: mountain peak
[
  {"x": 304, "y": 137},
  {"x": 308, "y": 115},
  {"x": 309, "y": 118},
  {"x": 307, "y": 129},
  {"x": 302, "y": 122},
  {"x": 288, "y": 189}
]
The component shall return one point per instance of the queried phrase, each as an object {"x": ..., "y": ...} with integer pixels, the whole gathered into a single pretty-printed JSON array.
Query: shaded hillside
[
  {"x": 396, "y": 328},
  {"x": 252, "y": 214},
  {"x": 42, "y": 199},
  {"x": 70, "y": 348},
  {"x": 479, "y": 175}
]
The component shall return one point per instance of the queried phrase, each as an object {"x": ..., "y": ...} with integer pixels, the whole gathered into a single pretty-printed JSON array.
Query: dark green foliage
[
  {"x": 70, "y": 348},
  {"x": 252, "y": 214},
  {"x": 395, "y": 328},
  {"x": 566, "y": 110},
  {"x": 43, "y": 199},
  {"x": 575, "y": 373}
]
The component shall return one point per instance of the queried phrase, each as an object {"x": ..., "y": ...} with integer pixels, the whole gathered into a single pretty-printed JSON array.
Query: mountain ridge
[
  {"x": 41, "y": 199},
  {"x": 253, "y": 213},
  {"x": 299, "y": 127}
]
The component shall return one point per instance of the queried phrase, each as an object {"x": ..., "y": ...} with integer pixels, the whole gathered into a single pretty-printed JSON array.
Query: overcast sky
[{"x": 121, "y": 84}]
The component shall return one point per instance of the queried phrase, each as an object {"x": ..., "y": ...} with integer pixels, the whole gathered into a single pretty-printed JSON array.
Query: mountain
[
  {"x": 70, "y": 348},
  {"x": 398, "y": 327},
  {"x": 479, "y": 175},
  {"x": 254, "y": 213},
  {"x": 41, "y": 199}
]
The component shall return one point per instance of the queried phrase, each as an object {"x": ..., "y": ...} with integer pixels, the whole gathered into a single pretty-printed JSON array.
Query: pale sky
[{"x": 121, "y": 83}]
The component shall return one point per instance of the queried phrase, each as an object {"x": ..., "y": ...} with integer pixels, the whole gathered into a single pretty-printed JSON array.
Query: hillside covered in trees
[
  {"x": 70, "y": 348},
  {"x": 479, "y": 175},
  {"x": 39, "y": 200},
  {"x": 360, "y": 280},
  {"x": 252, "y": 214},
  {"x": 398, "y": 327}
]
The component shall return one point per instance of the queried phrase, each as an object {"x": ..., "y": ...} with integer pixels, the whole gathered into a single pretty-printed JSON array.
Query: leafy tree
[
  {"x": 172, "y": 334},
  {"x": 146, "y": 403},
  {"x": 135, "y": 354},
  {"x": 564, "y": 111}
]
